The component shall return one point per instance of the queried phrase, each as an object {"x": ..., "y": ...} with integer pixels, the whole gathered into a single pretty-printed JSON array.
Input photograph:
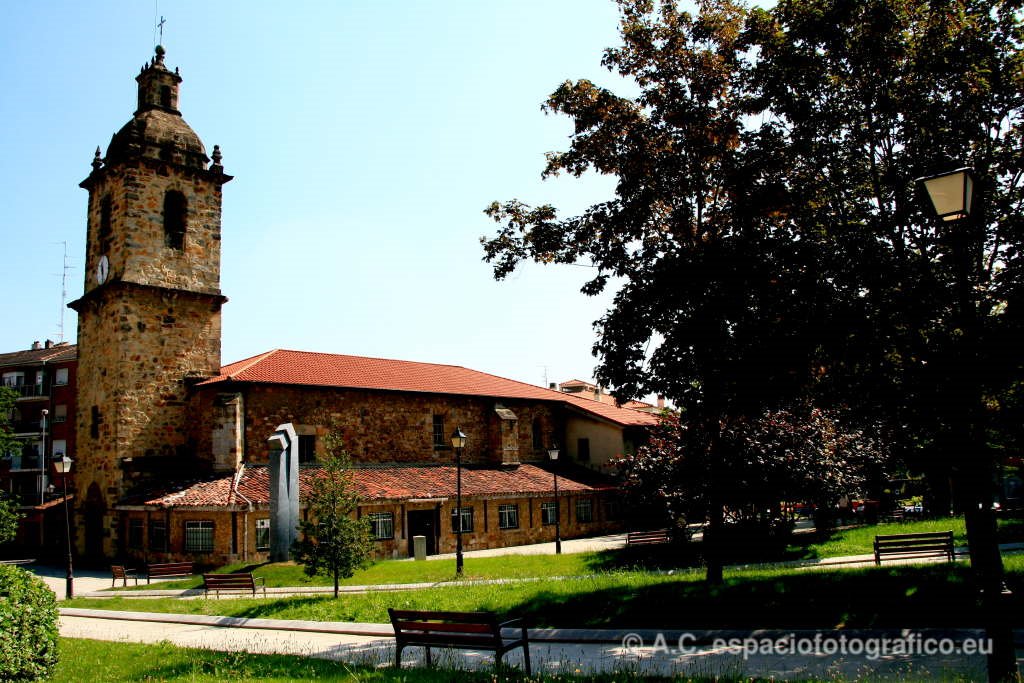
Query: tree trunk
[{"x": 712, "y": 543}]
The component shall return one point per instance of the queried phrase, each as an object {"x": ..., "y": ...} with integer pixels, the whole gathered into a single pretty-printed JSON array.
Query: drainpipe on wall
[{"x": 245, "y": 512}]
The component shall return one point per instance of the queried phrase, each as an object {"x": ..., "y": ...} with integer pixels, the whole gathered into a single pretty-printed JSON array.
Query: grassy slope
[
  {"x": 893, "y": 596},
  {"x": 855, "y": 541}
]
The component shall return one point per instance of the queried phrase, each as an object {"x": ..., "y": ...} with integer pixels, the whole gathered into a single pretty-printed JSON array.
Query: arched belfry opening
[{"x": 175, "y": 219}]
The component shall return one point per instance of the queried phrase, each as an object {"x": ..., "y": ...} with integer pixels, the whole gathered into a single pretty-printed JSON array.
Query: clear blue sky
[{"x": 365, "y": 137}]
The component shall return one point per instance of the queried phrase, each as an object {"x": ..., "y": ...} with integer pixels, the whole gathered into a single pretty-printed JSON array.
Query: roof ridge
[{"x": 251, "y": 361}]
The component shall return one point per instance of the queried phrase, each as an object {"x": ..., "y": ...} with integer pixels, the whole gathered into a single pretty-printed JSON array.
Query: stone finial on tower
[
  {"x": 216, "y": 157},
  {"x": 97, "y": 160}
]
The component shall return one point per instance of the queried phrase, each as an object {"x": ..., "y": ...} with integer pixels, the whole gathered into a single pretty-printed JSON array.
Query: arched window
[
  {"x": 175, "y": 214},
  {"x": 106, "y": 232}
]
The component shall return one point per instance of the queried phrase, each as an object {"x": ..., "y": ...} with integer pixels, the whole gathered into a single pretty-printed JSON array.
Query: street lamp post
[
  {"x": 951, "y": 194},
  {"x": 458, "y": 443},
  {"x": 42, "y": 455},
  {"x": 63, "y": 467},
  {"x": 553, "y": 455}
]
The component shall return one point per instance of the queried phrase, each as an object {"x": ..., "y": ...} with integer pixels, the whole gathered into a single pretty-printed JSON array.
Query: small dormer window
[{"x": 175, "y": 214}]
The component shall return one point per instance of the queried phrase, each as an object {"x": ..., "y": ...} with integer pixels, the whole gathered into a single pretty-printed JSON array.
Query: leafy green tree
[
  {"x": 792, "y": 454},
  {"x": 765, "y": 228},
  {"x": 767, "y": 232},
  {"x": 8, "y": 442},
  {"x": 332, "y": 541},
  {"x": 720, "y": 305},
  {"x": 9, "y": 516}
]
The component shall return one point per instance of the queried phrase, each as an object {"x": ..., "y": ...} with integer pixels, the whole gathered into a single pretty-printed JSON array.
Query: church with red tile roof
[{"x": 172, "y": 457}]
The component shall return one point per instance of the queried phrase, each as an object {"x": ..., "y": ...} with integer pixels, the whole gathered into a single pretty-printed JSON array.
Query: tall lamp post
[
  {"x": 63, "y": 467},
  {"x": 553, "y": 455},
  {"x": 951, "y": 194},
  {"x": 42, "y": 455},
  {"x": 458, "y": 443}
]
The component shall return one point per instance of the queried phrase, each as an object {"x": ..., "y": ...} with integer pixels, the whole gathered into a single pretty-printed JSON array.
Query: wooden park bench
[
  {"x": 165, "y": 569},
  {"x": 933, "y": 544},
  {"x": 118, "y": 572},
  {"x": 233, "y": 583},
  {"x": 648, "y": 537},
  {"x": 460, "y": 630}
]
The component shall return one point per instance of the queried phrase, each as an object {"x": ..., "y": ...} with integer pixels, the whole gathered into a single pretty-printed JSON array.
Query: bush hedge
[{"x": 28, "y": 626}]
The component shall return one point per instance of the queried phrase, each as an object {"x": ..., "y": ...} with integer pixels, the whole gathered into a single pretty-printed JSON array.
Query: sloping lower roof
[
  {"x": 304, "y": 368},
  {"x": 391, "y": 482}
]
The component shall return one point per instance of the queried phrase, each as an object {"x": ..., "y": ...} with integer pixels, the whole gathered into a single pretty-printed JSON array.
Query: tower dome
[{"x": 157, "y": 130}]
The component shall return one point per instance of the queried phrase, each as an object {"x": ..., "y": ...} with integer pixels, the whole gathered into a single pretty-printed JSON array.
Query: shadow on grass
[
  {"x": 939, "y": 596},
  {"x": 896, "y": 597},
  {"x": 689, "y": 554}
]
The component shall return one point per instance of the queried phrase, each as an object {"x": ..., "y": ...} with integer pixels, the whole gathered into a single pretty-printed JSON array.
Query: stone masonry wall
[
  {"x": 137, "y": 346},
  {"x": 382, "y": 426},
  {"x": 137, "y": 251}
]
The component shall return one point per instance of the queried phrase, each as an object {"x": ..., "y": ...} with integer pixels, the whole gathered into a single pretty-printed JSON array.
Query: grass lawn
[
  {"x": 112, "y": 661},
  {"x": 890, "y": 596},
  {"x": 853, "y": 541}
]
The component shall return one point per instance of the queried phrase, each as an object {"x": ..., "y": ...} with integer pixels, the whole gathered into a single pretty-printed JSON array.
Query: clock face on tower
[{"x": 102, "y": 270}]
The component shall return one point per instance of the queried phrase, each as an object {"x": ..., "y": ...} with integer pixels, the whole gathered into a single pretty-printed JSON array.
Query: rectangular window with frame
[
  {"x": 613, "y": 510},
  {"x": 548, "y": 513},
  {"x": 508, "y": 516},
  {"x": 61, "y": 377},
  {"x": 382, "y": 525},
  {"x": 135, "y": 534},
  {"x": 14, "y": 379},
  {"x": 60, "y": 413},
  {"x": 440, "y": 438},
  {"x": 584, "y": 510},
  {"x": 307, "y": 448},
  {"x": 583, "y": 449},
  {"x": 199, "y": 536},
  {"x": 467, "y": 520},
  {"x": 263, "y": 534},
  {"x": 157, "y": 535}
]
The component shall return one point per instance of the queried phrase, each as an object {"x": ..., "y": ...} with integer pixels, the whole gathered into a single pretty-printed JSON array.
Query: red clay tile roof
[
  {"x": 306, "y": 368},
  {"x": 55, "y": 354},
  {"x": 383, "y": 482}
]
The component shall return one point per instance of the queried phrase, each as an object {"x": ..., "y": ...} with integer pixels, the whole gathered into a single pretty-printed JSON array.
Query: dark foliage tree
[
  {"x": 8, "y": 442},
  {"x": 792, "y": 454},
  {"x": 767, "y": 231},
  {"x": 332, "y": 541},
  {"x": 720, "y": 300}
]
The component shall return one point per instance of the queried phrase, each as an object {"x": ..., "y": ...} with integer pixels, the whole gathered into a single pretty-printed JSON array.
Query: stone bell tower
[{"x": 149, "y": 322}]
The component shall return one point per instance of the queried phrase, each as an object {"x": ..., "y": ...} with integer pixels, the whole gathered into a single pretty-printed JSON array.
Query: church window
[
  {"x": 440, "y": 438},
  {"x": 135, "y": 540},
  {"x": 263, "y": 534},
  {"x": 94, "y": 424},
  {"x": 175, "y": 213},
  {"x": 538, "y": 435},
  {"x": 106, "y": 233},
  {"x": 199, "y": 536},
  {"x": 157, "y": 534},
  {"x": 307, "y": 448},
  {"x": 165, "y": 96}
]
